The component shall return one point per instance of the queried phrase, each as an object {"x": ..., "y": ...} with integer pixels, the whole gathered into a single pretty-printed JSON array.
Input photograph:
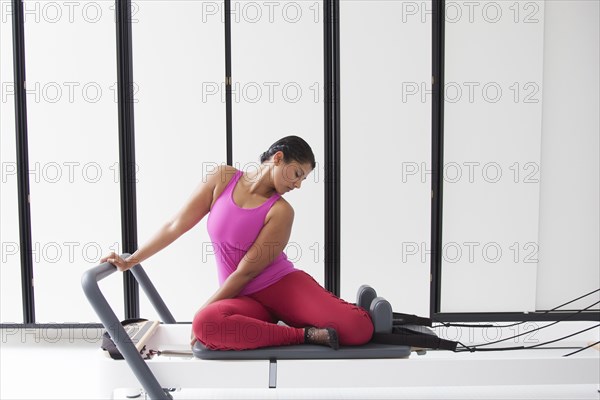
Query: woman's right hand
[{"x": 118, "y": 262}]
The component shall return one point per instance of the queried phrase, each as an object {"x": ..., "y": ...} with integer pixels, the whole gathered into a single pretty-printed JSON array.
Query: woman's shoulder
[
  {"x": 222, "y": 174},
  {"x": 282, "y": 209},
  {"x": 227, "y": 170},
  {"x": 218, "y": 179}
]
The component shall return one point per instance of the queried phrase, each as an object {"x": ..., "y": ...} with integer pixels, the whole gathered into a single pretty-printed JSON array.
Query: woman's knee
[
  {"x": 206, "y": 323},
  {"x": 357, "y": 330}
]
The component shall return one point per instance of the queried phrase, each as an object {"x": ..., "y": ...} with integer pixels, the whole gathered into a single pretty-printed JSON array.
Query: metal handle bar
[{"x": 89, "y": 282}]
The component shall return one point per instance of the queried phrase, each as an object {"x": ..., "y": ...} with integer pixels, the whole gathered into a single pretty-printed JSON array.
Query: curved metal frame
[{"x": 89, "y": 282}]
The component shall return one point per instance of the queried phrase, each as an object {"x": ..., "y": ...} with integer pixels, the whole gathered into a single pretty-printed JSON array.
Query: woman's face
[{"x": 289, "y": 176}]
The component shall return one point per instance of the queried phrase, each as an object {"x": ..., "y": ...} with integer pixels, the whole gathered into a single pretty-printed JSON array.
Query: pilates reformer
[{"x": 379, "y": 309}]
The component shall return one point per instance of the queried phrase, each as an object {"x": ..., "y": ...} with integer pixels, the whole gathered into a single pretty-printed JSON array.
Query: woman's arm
[
  {"x": 270, "y": 242},
  {"x": 196, "y": 208}
]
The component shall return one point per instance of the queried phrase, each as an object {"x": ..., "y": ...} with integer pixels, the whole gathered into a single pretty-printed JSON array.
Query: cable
[
  {"x": 519, "y": 348},
  {"x": 537, "y": 329},
  {"x": 528, "y": 332},
  {"x": 517, "y": 323},
  {"x": 569, "y": 302},
  {"x": 565, "y": 337},
  {"x": 447, "y": 324},
  {"x": 474, "y": 348},
  {"x": 582, "y": 349}
]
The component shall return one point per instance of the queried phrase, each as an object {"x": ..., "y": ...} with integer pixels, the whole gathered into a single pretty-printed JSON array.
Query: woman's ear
[{"x": 278, "y": 157}]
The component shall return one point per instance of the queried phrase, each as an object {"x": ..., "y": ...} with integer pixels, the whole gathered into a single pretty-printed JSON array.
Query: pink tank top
[{"x": 233, "y": 230}]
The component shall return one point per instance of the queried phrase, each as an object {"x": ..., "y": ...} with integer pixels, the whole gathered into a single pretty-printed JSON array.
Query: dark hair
[{"x": 294, "y": 148}]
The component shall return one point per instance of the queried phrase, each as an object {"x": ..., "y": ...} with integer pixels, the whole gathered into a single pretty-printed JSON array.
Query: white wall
[
  {"x": 180, "y": 137},
  {"x": 492, "y": 133},
  {"x": 569, "y": 220},
  {"x": 385, "y": 142},
  {"x": 543, "y": 212},
  {"x": 10, "y": 300},
  {"x": 73, "y": 151}
]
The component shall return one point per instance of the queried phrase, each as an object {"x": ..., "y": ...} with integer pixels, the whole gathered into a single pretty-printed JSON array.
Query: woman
[{"x": 250, "y": 225}]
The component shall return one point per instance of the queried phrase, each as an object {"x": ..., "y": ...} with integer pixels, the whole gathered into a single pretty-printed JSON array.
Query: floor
[{"x": 541, "y": 392}]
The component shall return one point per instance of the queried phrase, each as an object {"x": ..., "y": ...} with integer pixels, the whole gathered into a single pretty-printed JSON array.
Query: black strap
[
  {"x": 111, "y": 347},
  {"x": 410, "y": 319},
  {"x": 405, "y": 337}
]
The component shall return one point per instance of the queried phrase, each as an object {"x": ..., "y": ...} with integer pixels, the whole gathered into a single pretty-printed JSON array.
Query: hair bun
[{"x": 264, "y": 156}]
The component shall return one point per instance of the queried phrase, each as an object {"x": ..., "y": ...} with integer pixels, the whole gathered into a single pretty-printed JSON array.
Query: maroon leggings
[{"x": 249, "y": 322}]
